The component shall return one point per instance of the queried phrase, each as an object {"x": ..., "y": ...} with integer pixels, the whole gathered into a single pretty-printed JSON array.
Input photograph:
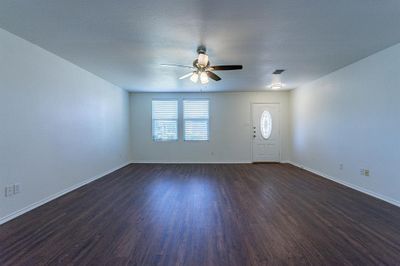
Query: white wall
[
  {"x": 59, "y": 124},
  {"x": 352, "y": 116},
  {"x": 230, "y": 128}
]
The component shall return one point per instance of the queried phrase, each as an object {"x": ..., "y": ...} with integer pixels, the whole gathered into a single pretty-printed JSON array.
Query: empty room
[{"x": 260, "y": 132}]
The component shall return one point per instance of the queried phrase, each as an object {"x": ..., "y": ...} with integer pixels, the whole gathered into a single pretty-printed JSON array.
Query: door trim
[{"x": 251, "y": 131}]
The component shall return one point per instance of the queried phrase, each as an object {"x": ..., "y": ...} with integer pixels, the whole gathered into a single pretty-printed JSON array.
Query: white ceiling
[{"x": 125, "y": 41}]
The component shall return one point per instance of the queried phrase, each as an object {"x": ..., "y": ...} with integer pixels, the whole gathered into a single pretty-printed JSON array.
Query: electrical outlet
[
  {"x": 364, "y": 172},
  {"x": 8, "y": 191},
  {"x": 341, "y": 166},
  {"x": 16, "y": 188}
]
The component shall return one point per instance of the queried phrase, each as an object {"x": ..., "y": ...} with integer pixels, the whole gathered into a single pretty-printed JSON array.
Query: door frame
[{"x": 279, "y": 129}]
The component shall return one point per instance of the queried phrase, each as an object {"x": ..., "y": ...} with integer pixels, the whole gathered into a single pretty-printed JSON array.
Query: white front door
[{"x": 266, "y": 133}]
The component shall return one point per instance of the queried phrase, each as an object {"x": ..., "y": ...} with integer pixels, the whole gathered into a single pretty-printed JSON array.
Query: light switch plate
[
  {"x": 16, "y": 188},
  {"x": 8, "y": 191}
]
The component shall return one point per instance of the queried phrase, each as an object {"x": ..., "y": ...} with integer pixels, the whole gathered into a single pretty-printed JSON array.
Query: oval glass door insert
[{"x": 266, "y": 124}]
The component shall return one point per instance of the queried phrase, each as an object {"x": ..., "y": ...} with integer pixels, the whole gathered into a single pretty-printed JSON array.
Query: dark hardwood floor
[{"x": 262, "y": 214}]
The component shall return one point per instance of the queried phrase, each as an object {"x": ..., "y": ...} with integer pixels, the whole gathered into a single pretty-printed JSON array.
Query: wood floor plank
[{"x": 206, "y": 214}]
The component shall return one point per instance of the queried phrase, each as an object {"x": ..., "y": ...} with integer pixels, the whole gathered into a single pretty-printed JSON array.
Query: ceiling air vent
[{"x": 278, "y": 71}]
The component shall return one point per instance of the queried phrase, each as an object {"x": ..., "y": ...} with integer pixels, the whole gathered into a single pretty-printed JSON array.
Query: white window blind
[
  {"x": 196, "y": 119},
  {"x": 165, "y": 120}
]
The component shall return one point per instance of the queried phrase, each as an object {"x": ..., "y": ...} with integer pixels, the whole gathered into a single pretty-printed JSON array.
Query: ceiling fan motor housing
[
  {"x": 201, "y": 63},
  {"x": 201, "y": 49},
  {"x": 200, "y": 67}
]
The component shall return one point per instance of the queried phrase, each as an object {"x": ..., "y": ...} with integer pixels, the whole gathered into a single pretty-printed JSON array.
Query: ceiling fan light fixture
[
  {"x": 276, "y": 86},
  {"x": 276, "y": 82},
  {"x": 194, "y": 78},
  {"x": 203, "y": 78}
]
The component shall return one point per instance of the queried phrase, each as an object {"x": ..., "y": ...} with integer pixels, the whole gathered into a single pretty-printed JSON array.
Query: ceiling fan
[{"x": 201, "y": 68}]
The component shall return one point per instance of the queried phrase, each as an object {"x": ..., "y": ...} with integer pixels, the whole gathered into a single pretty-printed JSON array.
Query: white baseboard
[
  {"x": 56, "y": 195},
  {"x": 192, "y": 162},
  {"x": 347, "y": 184}
]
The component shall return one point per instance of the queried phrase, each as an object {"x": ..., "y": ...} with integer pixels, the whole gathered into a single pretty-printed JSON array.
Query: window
[
  {"x": 196, "y": 119},
  {"x": 165, "y": 120},
  {"x": 266, "y": 124}
]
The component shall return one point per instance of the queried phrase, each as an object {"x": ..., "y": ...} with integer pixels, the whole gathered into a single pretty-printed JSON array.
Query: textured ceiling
[{"x": 125, "y": 41}]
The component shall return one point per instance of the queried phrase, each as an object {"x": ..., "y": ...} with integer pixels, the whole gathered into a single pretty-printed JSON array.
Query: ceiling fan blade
[
  {"x": 227, "y": 67},
  {"x": 213, "y": 76},
  {"x": 177, "y": 65},
  {"x": 186, "y": 76}
]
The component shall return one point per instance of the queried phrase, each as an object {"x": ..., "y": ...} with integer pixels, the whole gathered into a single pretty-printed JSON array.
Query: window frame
[
  {"x": 183, "y": 119},
  {"x": 177, "y": 120}
]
